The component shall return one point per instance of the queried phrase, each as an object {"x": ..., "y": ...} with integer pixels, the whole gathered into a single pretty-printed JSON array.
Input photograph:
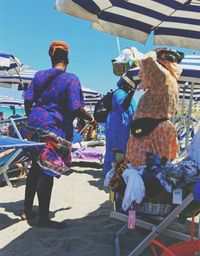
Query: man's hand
[{"x": 94, "y": 124}]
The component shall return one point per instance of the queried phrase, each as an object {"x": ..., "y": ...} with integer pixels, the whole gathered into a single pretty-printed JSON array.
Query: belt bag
[{"x": 144, "y": 126}]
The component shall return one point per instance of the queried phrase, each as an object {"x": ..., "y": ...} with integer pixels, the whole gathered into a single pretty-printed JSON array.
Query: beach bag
[
  {"x": 144, "y": 126},
  {"x": 103, "y": 107}
]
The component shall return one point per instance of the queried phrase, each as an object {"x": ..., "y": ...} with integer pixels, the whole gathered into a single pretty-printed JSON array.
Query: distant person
[
  {"x": 1, "y": 116},
  {"x": 52, "y": 101},
  {"x": 13, "y": 111},
  {"x": 4, "y": 128}
]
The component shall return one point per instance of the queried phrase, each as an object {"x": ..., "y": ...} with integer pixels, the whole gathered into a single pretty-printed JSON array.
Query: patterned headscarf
[
  {"x": 57, "y": 45},
  {"x": 169, "y": 54}
]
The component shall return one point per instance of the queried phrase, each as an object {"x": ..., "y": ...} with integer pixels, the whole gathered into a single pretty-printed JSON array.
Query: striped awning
[{"x": 174, "y": 22}]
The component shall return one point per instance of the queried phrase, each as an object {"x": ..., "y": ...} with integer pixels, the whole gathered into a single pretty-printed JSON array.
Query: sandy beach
[{"x": 79, "y": 200}]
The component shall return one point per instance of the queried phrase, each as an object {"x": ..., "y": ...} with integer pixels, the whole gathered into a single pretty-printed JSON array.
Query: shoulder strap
[
  {"x": 48, "y": 82},
  {"x": 129, "y": 81}
]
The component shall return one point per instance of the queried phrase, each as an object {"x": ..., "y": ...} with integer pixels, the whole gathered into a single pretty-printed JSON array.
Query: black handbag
[{"x": 144, "y": 126}]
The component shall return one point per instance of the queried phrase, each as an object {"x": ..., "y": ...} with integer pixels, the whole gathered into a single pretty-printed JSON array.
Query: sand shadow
[
  {"x": 98, "y": 175},
  {"x": 94, "y": 164},
  {"x": 7, "y": 221},
  {"x": 92, "y": 234},
  {"x": 16, "y": 208},
  {"x": 81, "y": 237},
  {"x": 15, "y": 181}
]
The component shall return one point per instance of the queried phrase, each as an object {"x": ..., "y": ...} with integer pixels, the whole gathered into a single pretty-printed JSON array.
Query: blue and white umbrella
[
  {"x": 191, "y": 68},
  {"x": 12, "y": 71},
  {"x": 173, "y": 22},
  {"x": 190, "y": 77}
]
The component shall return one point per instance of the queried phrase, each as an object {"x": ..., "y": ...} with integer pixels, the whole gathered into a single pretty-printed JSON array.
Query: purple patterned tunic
[{"x": 51, "y": 118}]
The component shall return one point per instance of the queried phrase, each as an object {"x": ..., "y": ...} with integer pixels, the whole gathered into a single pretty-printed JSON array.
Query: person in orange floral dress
[{"x": 159, "y": 71}]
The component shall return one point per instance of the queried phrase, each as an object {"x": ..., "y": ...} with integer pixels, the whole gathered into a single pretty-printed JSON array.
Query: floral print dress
[{"x": 159, "y": 102}]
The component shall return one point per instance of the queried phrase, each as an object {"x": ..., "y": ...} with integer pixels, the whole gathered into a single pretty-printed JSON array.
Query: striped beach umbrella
[
  {"x": 190, "y": 77},
  {"x": 191, "y": 68},
  {"x": 173, "y": 22},
  {"x": 12, "y": 71}
]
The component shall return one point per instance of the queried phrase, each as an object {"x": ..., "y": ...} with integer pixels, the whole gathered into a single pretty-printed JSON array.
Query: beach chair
[
  {"x": 15, "y": 127},
  {"x": 11, "y": 150},
  {"x": 87, "y": 150},
  {"x": 155, "y": 229},
  {"x": 160, "y": 207}
]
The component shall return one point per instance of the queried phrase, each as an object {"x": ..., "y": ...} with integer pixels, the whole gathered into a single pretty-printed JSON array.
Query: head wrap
[
  {"x": 169, "y": 54},
  {"x": 57, "y": 45}
]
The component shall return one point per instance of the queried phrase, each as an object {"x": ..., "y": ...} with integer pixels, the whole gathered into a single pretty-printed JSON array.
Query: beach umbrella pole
[
  {"x": 189, "y": 115},
  {"x": 182, "y": 109},
  {"x": 118, "y": 45}
]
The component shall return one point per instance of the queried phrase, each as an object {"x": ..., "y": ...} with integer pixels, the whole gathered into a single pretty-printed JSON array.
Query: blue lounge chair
[{"x": 11, "y": 150}]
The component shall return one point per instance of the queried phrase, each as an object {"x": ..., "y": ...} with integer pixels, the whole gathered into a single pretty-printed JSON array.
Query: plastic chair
[{"x": 185, "y": 248}]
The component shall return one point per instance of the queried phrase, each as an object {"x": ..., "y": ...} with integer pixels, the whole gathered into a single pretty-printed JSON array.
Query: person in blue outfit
[
  {"x": 52, "y": 101},
  {"x": 118, "y": 122}
]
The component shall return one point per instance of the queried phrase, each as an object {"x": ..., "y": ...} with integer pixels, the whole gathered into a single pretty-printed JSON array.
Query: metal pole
[
  {"x": 16, "y": 129},
  {"x": 182, "y": 108},
  {"x": 118, "y": 44},
  {"x": 189, "y": 115}
]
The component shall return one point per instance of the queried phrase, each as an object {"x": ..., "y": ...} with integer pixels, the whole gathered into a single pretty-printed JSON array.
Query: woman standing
[
  {"x": 159, "y": 72},
  {"x": 52, "y": 101}
]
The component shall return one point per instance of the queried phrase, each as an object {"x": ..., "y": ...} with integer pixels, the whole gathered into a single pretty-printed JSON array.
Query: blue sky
[{"x": 28, "y": 27}]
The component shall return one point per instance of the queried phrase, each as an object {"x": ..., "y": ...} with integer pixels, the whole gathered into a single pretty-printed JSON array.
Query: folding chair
[
  {"x": 13, "y": 149},
  {"x": 155, "y": 230},
  {"x": 15, "y": 126}
]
